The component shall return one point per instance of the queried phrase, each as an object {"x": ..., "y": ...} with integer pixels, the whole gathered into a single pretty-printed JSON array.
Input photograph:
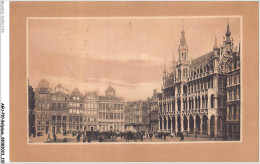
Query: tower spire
[
  {"x": 216, "y": 43},
  {"x": 183, "y": 48},
  {"x": 164, "y": 66},
  {"x": 182, "y": 24},
  {"x": 228, "y": 33}
]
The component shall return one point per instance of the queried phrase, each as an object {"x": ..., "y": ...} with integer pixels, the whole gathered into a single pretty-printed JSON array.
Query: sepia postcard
[
  {"x": 133, "y": 81},
  {"x": 129, "y": 79}
]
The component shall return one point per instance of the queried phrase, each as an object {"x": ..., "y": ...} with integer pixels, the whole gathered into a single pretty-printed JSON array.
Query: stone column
[
  {"x": 215, "y": 102},
  {"x": 50, "y": 127},
  {"x": 228, "y": 108},
  {"x": 200, "y": 102},
  {"x": 61, "y": 131},
  {"x": 200, "y": 125},
  {"x": 162, "y": 123},
  {"x": 176, "y": 124},
  {"x": 188, "y": 103},
  {"x": 216, "y": 127},
  {"x": 188, "y": 124},
  {"x": 181, "y": 123},
  {"x": 176, "y": 105},
  {"x": 209, "y": 126},
  {"x": 159, "y": 125}
]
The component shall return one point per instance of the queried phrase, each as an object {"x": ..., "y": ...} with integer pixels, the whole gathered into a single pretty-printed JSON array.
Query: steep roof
[{"x": 202, "y": 60}]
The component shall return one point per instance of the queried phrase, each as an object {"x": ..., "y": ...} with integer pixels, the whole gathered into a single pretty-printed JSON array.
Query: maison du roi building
[
  {"x": 203, "y": 95},
  {"x": 58, "y": 111}
]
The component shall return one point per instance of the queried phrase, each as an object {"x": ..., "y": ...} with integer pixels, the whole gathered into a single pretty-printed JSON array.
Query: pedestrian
[
  {"x": 172, "y": 134},
  {"x": 78, "y": 137},
  {"x": 55, "y": 138},
  {"x": 100, "y": 139},
  {"x": 89, "y": 139},
  {"x": 164, "y": 136},
  {"x": 182, "y": 137},
  {"x": 151, "y": 136}
]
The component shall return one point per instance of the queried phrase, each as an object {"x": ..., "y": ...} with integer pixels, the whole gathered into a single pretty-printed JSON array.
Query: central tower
[{"x": 183, "y": 48}]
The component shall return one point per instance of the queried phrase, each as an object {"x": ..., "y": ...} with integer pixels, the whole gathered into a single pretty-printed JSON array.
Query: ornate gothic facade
[{"x": 194, "y": 92}]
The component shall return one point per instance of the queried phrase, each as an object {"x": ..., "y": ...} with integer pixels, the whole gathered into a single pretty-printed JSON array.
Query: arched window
[
  {"x": 196, "y": 102},
  {"x": 203, "y": 102},
  {"x": 184, "y": 89},
  {"x": 185, "y": 72},
  {"x": 206, "y": 101},
  {"x": 199, "y": 103},
  {"x": 212, "y": 101},
  {"x": 179, "y": 105},
  {"x": 179, "y": 73}
]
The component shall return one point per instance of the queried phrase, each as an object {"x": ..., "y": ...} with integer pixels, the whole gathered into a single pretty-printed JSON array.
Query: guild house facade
[
  {"x": 202, "y": 96},
  {"x": 58, "y": 111}
]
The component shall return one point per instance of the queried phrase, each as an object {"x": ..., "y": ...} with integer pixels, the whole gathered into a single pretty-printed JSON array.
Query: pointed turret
[
  {"x": 216, "y": 44},
  {"x": 164, "y": 66},
  {"x": 215, "y": 49},
  {"x": 228, "y": 33},
  {"x": 164, "y": 74},
  {"x": 164, "y": 70}
]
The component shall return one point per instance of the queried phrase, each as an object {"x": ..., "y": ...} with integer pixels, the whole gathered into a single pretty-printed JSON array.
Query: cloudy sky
[{"x": 128, "y": 52}]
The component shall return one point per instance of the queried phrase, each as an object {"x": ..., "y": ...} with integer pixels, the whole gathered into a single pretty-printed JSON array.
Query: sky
[{"x": 128, "y": 52}]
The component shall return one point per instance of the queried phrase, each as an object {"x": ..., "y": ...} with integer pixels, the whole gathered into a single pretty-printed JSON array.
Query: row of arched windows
[
  {"x": 200, "y": 85},
  {"x": 194, "y": 103}
]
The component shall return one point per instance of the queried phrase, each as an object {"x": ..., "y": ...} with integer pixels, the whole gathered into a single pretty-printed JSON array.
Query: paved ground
[{"x": 72, "y": 139}]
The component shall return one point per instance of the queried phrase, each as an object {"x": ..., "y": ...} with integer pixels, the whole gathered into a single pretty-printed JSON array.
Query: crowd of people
[{"x": 112, "y": 136}]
